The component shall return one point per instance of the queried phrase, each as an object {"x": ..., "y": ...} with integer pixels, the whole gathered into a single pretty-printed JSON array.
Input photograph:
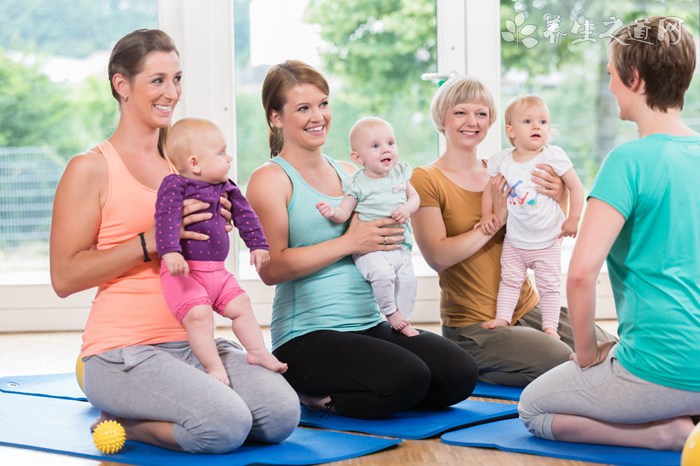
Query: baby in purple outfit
[{"x": 193, "y": 275}]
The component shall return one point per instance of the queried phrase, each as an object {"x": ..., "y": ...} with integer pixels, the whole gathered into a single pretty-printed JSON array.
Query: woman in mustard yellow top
[
  {"x": 138, "y": 366},
  {"x": 446, "y": 228}
]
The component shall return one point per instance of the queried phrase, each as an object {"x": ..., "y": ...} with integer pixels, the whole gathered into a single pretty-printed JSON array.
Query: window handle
[{"x": 438, "y": 78}]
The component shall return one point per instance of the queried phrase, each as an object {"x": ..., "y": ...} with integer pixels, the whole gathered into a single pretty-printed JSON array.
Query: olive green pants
[{"x": 518, "y": 354}]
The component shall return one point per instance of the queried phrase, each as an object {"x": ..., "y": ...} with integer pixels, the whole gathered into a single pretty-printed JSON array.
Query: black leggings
[{"x": 373, "y": 373}]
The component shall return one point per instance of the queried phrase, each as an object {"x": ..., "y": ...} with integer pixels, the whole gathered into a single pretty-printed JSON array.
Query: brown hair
[
  {"x": 665, "y": 62},
  {"x": 128, "y": 56},
  {"x": 280, "y": 79}
]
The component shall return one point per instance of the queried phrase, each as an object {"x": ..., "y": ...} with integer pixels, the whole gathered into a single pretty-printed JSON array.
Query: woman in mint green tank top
[{"x": 343, "y": 356}]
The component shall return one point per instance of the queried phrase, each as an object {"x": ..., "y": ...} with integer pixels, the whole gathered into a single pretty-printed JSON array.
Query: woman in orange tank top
[{"x": 133, "y": 347}]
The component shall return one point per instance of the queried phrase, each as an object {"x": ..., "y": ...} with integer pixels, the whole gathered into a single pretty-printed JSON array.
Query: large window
[
  {"x": 55, "y": 99},
  {"x": 54, "y": 102},
  {"x": 557, "y": 49},
  {"x": 373, "y": 54}
]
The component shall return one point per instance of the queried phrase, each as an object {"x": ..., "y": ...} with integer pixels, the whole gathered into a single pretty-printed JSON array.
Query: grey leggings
[
  {"x": 166, "y": 382},
  {"x": 607, "y": 392},
  {"x": 516, "y": 355}
]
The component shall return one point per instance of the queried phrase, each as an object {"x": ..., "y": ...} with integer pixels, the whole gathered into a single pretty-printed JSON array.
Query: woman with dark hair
[
  {"x": 138, "y": 366},
  {"x": 343, "y": 357}
]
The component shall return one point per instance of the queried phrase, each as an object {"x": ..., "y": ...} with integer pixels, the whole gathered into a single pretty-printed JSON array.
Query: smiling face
[
  {"x": 374, "y": 147},
  {"x": 529, "y": 128},
  {"x": 151, "y": 95},
  {"x": 467, "y": 124},
  {"x": 305, "y": 118}
]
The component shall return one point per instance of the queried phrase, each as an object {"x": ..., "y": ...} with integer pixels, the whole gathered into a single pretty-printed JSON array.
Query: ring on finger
[{"x": 384, "y": 241}]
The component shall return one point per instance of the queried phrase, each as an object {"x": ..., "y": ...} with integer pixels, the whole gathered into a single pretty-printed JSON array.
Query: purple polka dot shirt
[{"x": 174, "y": 190}]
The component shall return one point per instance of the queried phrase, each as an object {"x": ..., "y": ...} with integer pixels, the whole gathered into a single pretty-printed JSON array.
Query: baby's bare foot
[
  {"x": 493, "y": 323},
  {"x": 552, "y": 333},
  {"x": 266, "y": 359}
]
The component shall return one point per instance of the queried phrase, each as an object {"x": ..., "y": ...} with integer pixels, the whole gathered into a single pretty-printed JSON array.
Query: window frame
[{"x": 468, "y": 43}]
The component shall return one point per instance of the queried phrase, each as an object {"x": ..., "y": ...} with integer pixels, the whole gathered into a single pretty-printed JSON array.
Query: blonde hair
[
  {"x": 278, "y": 80},
  {"x": 363, "y": 123},
  {"x": 666, "y": 66},
  {"x": 519, "y": 103},
  {"x": 181, "y": 139},
  {"x": 456, "y": 90}
]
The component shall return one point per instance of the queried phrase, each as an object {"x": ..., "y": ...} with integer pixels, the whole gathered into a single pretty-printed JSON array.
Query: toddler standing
[{"x": 535, "y": 223}]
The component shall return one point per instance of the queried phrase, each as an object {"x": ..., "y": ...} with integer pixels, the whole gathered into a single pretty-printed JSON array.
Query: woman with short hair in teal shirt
[{"x": 643, "y": 213}]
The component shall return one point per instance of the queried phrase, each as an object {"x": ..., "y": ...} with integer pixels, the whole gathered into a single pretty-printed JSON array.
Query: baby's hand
[
  {"x": 401, "y": 213},
  {"x": 493, "y": 323},
  {"x": 569, "y": 228},
  {"x": 176, "y": 264},
  {"x": 490, "y": 224},
  {"x": 325, "y": 209},
  {"x": 260, "y": 258}
]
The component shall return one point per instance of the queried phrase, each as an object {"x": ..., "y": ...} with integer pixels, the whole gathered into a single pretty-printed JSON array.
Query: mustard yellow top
[{"x": 468, "y": 290}]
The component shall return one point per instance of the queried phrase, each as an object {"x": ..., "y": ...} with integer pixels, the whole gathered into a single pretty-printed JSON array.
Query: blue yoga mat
[
  {"x": 409, "y": 425},
  {"x": 62, "y": 386},
  {"x": 511, "y": 435},
  {"x": 63, "y": 426},
  {"x": 414, "y": 424},
  {"x": 500, "y": 392}
]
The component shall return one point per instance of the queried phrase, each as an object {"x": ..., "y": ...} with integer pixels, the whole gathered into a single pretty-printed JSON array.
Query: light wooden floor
[{"x": 45, "y": 353}]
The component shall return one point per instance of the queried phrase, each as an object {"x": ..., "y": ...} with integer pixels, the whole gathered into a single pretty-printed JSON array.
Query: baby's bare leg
[
  {"x": 199, "y": 323},
  {"x": 247, "y": 330}
]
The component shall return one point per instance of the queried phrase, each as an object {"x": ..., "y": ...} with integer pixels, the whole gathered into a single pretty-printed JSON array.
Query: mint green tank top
[{"x": 336, "y": 297}]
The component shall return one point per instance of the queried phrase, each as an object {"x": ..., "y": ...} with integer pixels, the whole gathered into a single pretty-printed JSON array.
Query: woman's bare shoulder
[
  {"x": 268, "y": 171},
  {"x": 348, "y": 168},
  {"x": 89, "y": 164},
  {"x": 268, "y": 180}
]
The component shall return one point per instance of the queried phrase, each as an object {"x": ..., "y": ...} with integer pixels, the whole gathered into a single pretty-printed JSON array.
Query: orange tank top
[{"x": 128, "y": 310}]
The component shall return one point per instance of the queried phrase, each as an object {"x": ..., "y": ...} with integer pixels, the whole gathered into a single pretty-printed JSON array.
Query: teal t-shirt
[
  {"x": 336, "y": 297},
  {"x": 377, "y": 197},
  {"x": 654, "y": 264}
]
